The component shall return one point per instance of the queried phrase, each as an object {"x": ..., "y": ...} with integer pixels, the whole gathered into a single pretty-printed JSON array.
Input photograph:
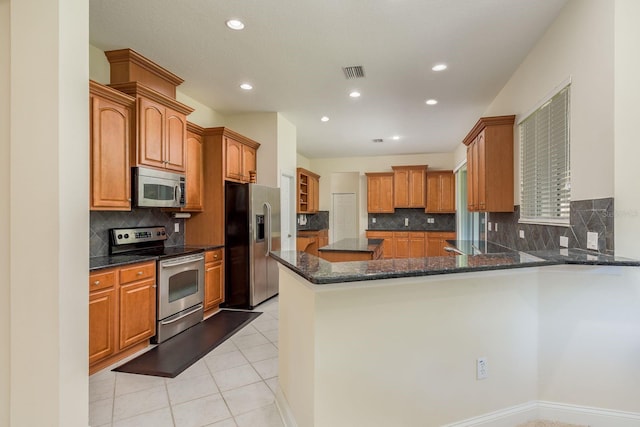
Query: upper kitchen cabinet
[
  {"x": 380, "y": 192},
  {"x": 161, "y": 121},
  {"x": 441, "y": 191},
  {"x": 194, "y": 165},
  {"x": 240, "y": 157},
  {"x": 162, "y": 128},
  {"x": 409, "y": 186},
  {"x": 111, "y": 132},
  {"x": 490, "y": 165},
  {"x": 308, "y": 191}
]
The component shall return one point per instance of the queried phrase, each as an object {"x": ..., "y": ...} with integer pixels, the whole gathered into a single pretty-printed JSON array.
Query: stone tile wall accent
[
  {"x": 417, "y": 221},
  {"x": 317, "y": 221},
  {"x": 101, "y": 221},
  {"x": 595, "y": 215}
]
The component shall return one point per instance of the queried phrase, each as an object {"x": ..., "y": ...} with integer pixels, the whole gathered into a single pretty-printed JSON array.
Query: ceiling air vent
[
  {"x": 353, "y": 72},
  {"x": 378, "y": 140}
]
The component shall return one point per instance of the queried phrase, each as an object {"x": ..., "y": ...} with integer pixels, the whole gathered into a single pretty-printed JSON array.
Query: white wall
[
  {"x": 302, "y": 161},
  {"x": 328, "y": 166},
  {"x": 48, "y": 203},
  {"x": 287, "y": 147},
  {"x": 627, "y": 149},
  {"x": 579, "y": 44},
  {"x": 5, "y": 226}
]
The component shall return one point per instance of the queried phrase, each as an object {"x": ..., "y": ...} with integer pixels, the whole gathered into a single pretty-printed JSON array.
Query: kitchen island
[
  {"x": 352, "y": 250},
  {"x": 395, "y": 342}
]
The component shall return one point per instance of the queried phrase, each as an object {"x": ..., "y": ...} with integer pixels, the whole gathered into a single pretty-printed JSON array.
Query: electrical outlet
[
  {"x": 496, "y": 226},
  {"x": 489, "y": 225},
  {"x": 521, "y": 233},
  {"x": 373, "y": 220},
  {"x": 592, "y": 240},
  {"x": 482, "y": 368},
  {"x": 564, "y": 241},
  {"x": 176, "y": 227},
  {"x": 430, "y": 220},
  {"x": 406, "y": 222}
]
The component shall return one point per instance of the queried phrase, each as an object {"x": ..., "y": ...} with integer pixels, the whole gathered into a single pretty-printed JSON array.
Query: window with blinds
[{"x": 545, "y": 183}]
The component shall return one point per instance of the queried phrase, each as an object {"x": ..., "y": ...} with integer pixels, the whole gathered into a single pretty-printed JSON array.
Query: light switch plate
[
  {"x": 496, "y": 226},
  {"x": 521, "y": 234},
  {"x": 564, "y": 241},
  {"x": 592, "y": 240},
  {"x": 176, "y": 227},
  {"x": 489, "y": 225},
  {"x": 373, "y": 220},
  {"x": 406, "y": 222}
]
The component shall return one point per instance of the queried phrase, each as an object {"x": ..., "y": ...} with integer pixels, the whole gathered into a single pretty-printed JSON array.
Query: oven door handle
[
  {"x": 196, "y": 309},
  {"x": 177, "y": 263}
]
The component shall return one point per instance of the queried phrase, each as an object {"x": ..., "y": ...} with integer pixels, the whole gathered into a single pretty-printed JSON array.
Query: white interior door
[
  {"x": 287, "y": 218},
  {"x": 344, "y": 216}
]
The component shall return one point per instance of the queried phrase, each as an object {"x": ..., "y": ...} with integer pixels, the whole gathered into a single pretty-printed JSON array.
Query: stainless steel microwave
[{"x": 154, "y": 188}]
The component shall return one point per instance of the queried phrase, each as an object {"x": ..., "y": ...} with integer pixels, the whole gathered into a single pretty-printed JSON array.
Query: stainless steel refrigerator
[{"x": 252, "y": 230}]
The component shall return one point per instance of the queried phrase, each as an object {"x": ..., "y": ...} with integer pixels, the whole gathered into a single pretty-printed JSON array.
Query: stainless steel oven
[{"x": 180, "y": 294}]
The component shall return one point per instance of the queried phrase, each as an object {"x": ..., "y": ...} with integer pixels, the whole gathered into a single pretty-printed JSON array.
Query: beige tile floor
[{"x": 232, "y": 386}]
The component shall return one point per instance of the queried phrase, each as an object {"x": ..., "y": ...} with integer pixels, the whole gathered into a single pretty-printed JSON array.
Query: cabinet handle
[
  {"x": 139, "y": 273},
  {"x": 96, "y": 283},
  {"x": 154, "y": 286}
]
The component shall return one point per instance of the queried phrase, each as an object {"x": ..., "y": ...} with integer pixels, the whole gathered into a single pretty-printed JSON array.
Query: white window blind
[{"x": 545, "y": 183}]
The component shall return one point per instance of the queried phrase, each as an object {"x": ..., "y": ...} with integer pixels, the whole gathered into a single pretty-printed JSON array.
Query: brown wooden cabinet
[
  {"x": 207, "y": 226},
  {"x": 490, "y": 165},
  {"x": 240, "y": 158},
  {"x": 122, "y": 312},
  {"x": 161, "y": 124},
  {"x": 409, "y": 244},
  {"x": 437, "y": 240},
  {"x": 409, "y": 186},
  {"x": 194, "y": 169},
  {"x": 387, "y": 246},
  {"x": 380, "y": 192},
  {"x": 111, "y": 132},
  {"x": 441, "y": 192},
  {"x": 308, "y": 191},
  {"x": 310, "y": 240},
  {"x": 213, "y": 279}
]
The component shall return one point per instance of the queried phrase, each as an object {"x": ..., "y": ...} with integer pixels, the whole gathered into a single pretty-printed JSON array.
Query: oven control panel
[{"x": 127, "y": 236}]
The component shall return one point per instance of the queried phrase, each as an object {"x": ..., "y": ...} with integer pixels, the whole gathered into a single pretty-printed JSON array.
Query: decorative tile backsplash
[
  {"x": 586, "y": 215},
  {"x": 317, "y": 221},
  {"x": 417, "y": 219},
  {"x": 102, "y": 221}
]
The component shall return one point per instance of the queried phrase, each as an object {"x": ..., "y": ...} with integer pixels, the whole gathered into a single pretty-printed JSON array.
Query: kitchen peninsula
[{"x": 395, "y": 341}]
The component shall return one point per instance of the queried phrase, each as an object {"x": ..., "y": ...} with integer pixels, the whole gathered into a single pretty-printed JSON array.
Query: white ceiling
[{"x": 293, "y": 51}]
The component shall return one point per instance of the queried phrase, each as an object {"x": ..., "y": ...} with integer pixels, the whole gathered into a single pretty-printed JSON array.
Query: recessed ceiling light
[
  {"x": 324, "y": 119},
  {"x": 235, "y": 24},
  {"x": 439, "y": 67},
  {"x": 355, "y": 94},
  {"x": 246, "y": 86},
  {"x": 431, "y": 102},
  {"x": 395, "y": 137}
]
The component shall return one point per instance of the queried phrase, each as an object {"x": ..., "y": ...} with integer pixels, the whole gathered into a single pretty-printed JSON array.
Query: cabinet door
[
  {"x": 194, "y": 173},
  {"x": 213, "y": 284},
  {"x": 443, "y": 242},
  {"x": 110, "y": 144},
  {"x": 386, "y": 194},
  {"x": 472, "y": 178},
  {"x": 233, "y": 159},
  {"x": 481, "y": 172},
  {"x": 401, "y": 246},
  {"x": 102, "y": 324},
  {"x": 137, "y": 312},
  {"x": 447, "y": 199},
  {"x": 373, "y": 194},
  {"x": 175, "y": 143},
  {"x": 151, "y": 133},
  {"x": 313, "y": 194},
  {"x": 416, "y": 188},
  {"x": 401, "y": 188},
  {"x": 434, "y": 244},
  {"x": 249, "y": 162},
  {"x": 417, "y": 245}
]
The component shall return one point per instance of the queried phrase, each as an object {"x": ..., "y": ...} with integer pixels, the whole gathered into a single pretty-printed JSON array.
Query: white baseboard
[
  {"x": 541, "y": 410},
  {"x": 285, "y": 410}
]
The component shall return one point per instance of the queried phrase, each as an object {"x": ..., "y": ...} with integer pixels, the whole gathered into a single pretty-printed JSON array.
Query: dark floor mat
[{"x": 178, "y": 353}]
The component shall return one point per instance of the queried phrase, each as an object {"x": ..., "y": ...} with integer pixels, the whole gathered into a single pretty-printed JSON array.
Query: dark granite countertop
[
  {"x": 494, "y": 257},
  {"x": 100, "y": 262},
  {"x": 353, "y": 245}
]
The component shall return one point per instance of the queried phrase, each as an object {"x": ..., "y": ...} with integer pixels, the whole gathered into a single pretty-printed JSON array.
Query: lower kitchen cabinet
[
  {"x": 213, "y": 279},
  {"x": 310, "y": 240},
  {"x": 387, "y": 246},
  {"x": 122, "y": 312},
  {"x": 409, "y": 244},
  {"x": 436, "y": 242}
]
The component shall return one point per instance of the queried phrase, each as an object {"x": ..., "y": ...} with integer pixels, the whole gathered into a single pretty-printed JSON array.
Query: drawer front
[
  {"x": 102, "y": 280},
  {"x": 137, "y": 272},
  {"x": 213, "y": 255}
]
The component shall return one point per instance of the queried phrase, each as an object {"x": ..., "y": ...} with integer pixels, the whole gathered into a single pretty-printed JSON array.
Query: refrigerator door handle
[{"x": 267, "y": 236}]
